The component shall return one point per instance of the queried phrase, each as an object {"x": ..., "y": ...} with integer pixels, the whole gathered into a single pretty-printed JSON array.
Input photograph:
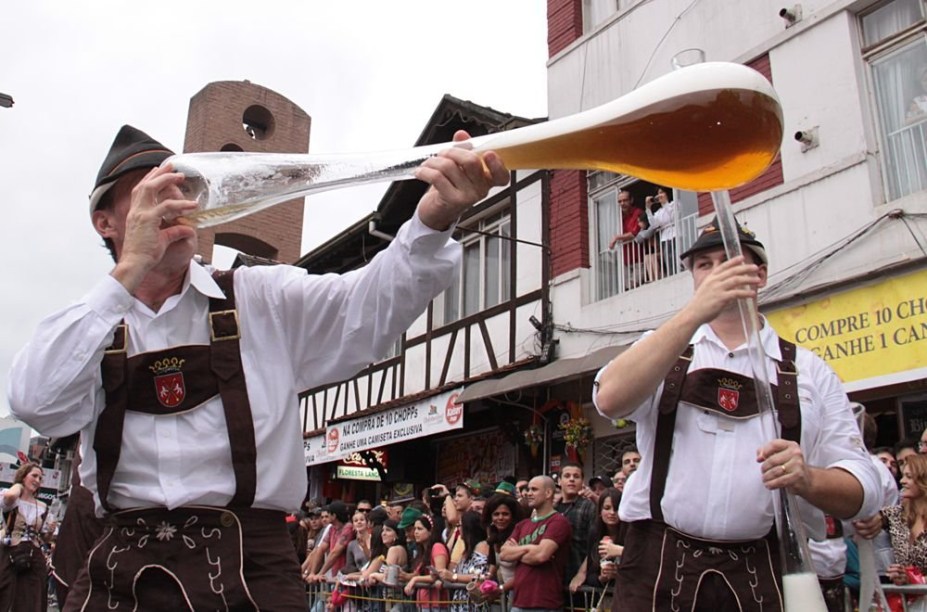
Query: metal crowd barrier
[
  {"x": 382, "y": 598},
  {"x": 916, "y": 592}
]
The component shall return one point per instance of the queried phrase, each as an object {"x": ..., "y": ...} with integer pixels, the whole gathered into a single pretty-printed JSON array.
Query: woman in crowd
[
  {"x": 501, "y": 514},
  {"x": 907, "y": 523},
  {"x": 473, "y": 562},
  {"x": 600, "y": 565},
  {"x": 299, "y": 533},
  {"x": 358, "y": 553},
  {"x": 23, "y": 569},
  {"x": 313, "y": 525},
  {"x": 432, "y": 556},
  {"x": 387, "y": 547}
]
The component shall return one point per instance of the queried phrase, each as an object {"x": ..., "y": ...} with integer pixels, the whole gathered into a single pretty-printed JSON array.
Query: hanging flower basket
[
  {"x": 534, "y": 437},
  {"x": 577, "y": 432}
]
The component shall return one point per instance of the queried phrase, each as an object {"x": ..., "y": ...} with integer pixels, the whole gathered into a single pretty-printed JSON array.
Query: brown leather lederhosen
[
  {"x": 198, "y": 548},
  {"x": 662, "y": 568}
]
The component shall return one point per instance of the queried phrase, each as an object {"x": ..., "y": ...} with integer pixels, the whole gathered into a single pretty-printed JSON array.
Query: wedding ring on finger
[{"x": 784, "y": 469}]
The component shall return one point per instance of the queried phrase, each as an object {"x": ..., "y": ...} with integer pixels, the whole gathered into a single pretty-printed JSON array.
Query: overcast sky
[{"x": 368, "y": 72}]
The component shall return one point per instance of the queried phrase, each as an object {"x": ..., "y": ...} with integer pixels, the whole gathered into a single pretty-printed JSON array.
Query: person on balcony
[
  {"x": 661, "y": 213},
  {"x": 631, "y": 253}
]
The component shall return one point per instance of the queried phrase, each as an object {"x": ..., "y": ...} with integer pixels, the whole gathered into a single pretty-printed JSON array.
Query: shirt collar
[
  {"x": 768, "y": 338},
  {"x": 201, "y": 279}
]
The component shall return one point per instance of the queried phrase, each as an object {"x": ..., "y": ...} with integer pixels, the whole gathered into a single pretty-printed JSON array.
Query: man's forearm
[
  {"x": 535, "y": 555},
  {"x": 330, "y": 559},
  {"x": 511, "y": 552},
  {"x": 315, "y": 559},
  {"x": 834, "y": 491}
]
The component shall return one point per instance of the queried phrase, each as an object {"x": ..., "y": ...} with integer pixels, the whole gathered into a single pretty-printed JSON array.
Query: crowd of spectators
[{"x": 557, "y": 537}]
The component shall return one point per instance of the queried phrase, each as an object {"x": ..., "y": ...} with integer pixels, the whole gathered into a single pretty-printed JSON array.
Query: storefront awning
[{"x": 558, "y": 371}]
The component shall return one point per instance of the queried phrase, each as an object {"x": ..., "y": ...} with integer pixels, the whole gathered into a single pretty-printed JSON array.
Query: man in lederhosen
[
  {"x": 183, "y": 384},
  {"x": 698, "y": 509}
]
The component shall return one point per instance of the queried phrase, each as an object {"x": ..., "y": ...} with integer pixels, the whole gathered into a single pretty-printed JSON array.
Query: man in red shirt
[
  {"x": 334, "y": 546},
  {"x": 630, "y": 252},
  {"x": 541, "y": 547}
]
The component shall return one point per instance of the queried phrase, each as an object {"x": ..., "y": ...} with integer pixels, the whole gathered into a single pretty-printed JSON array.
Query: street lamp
[{"x": 6, "y": 101}]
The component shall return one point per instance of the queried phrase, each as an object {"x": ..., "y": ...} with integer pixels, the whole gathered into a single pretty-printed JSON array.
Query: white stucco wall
[{"x": 828, "y": 193}]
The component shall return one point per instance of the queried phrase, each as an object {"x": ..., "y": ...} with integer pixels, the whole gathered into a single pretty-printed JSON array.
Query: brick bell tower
[{"x": 242, "y": 116}]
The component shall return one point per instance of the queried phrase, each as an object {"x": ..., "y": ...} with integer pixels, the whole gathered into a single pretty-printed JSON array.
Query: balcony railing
[{"x": 633, "y": 264}]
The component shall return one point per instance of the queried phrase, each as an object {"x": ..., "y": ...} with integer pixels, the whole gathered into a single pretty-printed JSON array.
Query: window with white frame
[
  {"x": 895, "y": 47},
  {"x": 597, "y": 11},
  {"x": 605, "y": 223},
  {"x": 622, "y": 261},
  {"x": 485, "y": 276}
]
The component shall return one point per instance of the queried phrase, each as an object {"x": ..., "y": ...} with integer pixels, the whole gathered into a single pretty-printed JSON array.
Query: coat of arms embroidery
[
  {"x": 169, "y": 383},
  {"x": 728, "y": 394}
]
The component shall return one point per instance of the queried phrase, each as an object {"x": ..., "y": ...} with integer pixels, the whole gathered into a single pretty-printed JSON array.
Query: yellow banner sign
[{"x": 874, "y": 331}]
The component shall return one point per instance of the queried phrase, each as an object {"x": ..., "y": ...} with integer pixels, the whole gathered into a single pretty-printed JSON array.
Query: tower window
[{"x": 258, "y": 122}]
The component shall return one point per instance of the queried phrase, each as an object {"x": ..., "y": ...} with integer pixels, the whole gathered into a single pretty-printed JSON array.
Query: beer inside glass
[{"x": 705, "y": 127}]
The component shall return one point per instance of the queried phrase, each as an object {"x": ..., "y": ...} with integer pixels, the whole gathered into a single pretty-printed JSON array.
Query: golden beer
[
  {"x": 704, "y": 141},
  {"x": 706, "y": 127}
]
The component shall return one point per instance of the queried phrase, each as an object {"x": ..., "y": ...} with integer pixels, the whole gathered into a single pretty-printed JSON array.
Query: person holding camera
[
  {"x": 661, "y": 213},
  {"x": 23, "y": 568}
]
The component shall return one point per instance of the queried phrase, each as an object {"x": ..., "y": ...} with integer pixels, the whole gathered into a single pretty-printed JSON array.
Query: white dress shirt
[
  {"x": 664, "y": 220},
  {"x": 714, "y": 487},
  {"x": 298, "y": 331}
]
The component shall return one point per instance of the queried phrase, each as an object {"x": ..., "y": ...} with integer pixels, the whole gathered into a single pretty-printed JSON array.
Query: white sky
[{"x": 368, "y": 72}]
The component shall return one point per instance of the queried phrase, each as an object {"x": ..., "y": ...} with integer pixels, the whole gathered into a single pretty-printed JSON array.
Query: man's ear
[
  {"x": 763, "y": 271},
  {"x": 103, "y": 223}
]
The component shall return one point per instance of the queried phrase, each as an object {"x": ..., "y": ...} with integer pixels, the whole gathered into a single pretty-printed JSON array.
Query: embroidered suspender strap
[
  {"x": 225, "y": 334},
  {"x": 666, "y": 424},
  {"x": 787, "y": 407},
  {"x": 107, "y": 440},
  {"x": 787, "y": 393},
  {"x": 224, "y": 372}
]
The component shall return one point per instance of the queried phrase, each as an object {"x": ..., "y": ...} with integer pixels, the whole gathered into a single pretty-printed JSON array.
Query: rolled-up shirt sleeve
[
  {"x": 55, "y": 377},
  {"x": 839, "y": 442}
]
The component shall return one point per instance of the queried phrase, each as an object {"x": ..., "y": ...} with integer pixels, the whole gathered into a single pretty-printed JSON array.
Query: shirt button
[
  {"x": 730, "y": 355},
  {"x": 226, "y": 519}
]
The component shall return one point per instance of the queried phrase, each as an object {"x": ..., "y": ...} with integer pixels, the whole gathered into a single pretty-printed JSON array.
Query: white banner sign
[
  {"x": 314, "y": 448},
  {"x": 353, "y": 472},
  {"x": 426, "y": 417}
]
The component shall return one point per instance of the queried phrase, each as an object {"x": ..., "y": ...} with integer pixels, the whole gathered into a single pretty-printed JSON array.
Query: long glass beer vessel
[
  {"x": 801, "y": 590},
  {"x": 705, "y": 127}
]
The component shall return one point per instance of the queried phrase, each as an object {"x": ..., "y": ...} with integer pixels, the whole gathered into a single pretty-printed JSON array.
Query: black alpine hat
[
  {"x": 132, "y": 149},
  {"x": 710, "y": 238}
]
